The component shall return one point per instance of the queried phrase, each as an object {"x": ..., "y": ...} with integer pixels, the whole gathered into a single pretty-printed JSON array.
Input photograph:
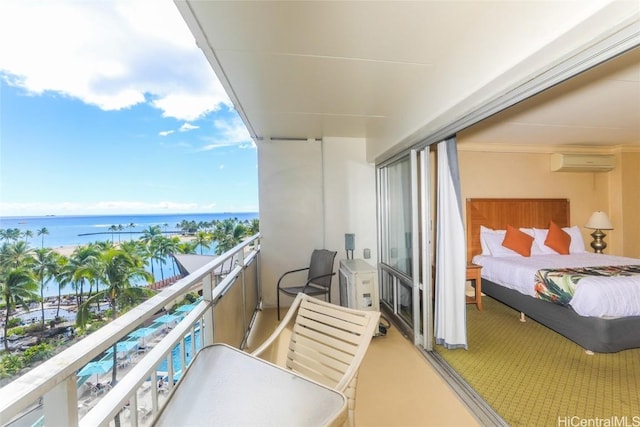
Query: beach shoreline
[{"x": 67, "y": 250}]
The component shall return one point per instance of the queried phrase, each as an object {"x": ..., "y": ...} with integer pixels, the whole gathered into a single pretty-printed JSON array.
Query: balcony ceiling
[{"x": 316, "y": 69}]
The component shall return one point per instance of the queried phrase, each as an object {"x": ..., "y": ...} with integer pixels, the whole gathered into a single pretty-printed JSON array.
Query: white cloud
[
  {"x": 112, "y": 54},
  {"x": 187, "y": 127},
  {"x": 230, "y": 133},
  {"x": 166, "y": 132}
]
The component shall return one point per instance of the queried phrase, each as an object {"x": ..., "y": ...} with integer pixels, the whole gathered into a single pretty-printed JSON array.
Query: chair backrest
[
  {"x": 329, "y": 342},
  {"x": 324, "y": 342},
  {"x": 321, "y": 264}
]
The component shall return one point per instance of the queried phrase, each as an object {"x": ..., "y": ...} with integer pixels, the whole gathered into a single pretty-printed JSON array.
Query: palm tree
[
  {"x": 16, "y": 254},
  {"x": 165, "y": 247},
  {"x": 118, "y": 270},
  {"x": 45, "y": 267},
  {"x": 63, "y": 278},
  {"x": 155, "y": 254},
  {"x": 150, "y": 233},
  {"x": 10, "y": 234},
  {"x": 187, "y": 247},
  {"x": 17, "y": 287},
  {"x": 188, "y": 227},
  {"x": 42, "y": 232},
  {"x": 149, "y": 237},
  {"x": 253, "y": 226},
  {"x": 132, "y": 247},
  {"x": 170, "y": 247},
  {"x": 81, "y": 266},
  {"x": 113, "y": 229},
  {"x": 89, "y": 270},
  {"x": 27, "y": 234},
  {"x": 120, "y": 227},
  {"x": 228, "y": 234},
  {"x": 131, "y": 226},
  {"x": 203, "y": 239}
]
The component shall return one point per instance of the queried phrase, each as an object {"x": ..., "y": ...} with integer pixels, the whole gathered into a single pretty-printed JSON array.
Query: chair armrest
[
  {"x": 318, "y": 277},
  {"x": 283, "y": 324},
  {"x": 289, "y": 272}
]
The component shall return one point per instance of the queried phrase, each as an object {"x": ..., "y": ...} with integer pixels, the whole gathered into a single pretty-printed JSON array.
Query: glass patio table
[{"x": 224, "y": 386}]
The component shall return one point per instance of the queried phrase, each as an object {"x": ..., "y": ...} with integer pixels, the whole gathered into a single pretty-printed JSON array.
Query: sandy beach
[{"x": 65, "y": 250}]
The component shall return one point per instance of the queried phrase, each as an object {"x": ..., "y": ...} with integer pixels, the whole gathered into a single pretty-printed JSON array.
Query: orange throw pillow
[
  {"x": 558, "y": 239},
  {"x": 517, "y": 241}
]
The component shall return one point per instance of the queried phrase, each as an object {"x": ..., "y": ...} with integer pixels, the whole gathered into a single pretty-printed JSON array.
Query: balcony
[{"x": 397, "y": 385}]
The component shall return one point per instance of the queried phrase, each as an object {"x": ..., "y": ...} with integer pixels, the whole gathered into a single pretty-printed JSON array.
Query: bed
[{"x": 594, "y": 334}]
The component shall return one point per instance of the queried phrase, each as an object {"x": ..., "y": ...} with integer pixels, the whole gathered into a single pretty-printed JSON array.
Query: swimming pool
[
  {"x": 35, "y": 315},
  {"x": 163, "y": 367}
]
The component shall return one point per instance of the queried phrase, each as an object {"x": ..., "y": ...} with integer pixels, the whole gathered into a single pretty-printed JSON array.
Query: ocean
[{"x": 80, "y": 230}]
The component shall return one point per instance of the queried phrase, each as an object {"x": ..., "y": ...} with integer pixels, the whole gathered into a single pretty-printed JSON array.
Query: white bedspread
[{"x": 594, "y": 296}]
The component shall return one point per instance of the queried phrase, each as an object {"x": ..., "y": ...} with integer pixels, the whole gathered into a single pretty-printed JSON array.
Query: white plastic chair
[{"x": 323, "y": 342}]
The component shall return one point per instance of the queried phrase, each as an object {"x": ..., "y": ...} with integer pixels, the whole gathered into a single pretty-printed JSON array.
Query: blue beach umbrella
[
  {"x": 142, "y": 333},
  {"x": 124, "y": 346},
  {"x": 96, "y": 368},
  {"x": 167, "y": 318},
  {"x": 185, "y": 308}
]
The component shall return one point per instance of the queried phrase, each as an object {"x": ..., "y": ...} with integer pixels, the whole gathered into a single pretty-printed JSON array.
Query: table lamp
[{"x": 599, "y": 221}]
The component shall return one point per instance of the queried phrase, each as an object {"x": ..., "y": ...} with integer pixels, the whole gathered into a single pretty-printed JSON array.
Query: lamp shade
[{"x": 599, "y": 221}]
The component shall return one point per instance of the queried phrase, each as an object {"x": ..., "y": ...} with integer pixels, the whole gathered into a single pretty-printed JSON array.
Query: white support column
[{"x": 61, "y": 404}]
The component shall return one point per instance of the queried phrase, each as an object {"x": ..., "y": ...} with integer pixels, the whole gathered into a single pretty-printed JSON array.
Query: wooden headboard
[{"x": 497, "y": 213}]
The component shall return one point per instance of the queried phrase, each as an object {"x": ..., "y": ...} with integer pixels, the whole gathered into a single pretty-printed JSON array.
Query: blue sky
[{"x": 107, "y": 108}]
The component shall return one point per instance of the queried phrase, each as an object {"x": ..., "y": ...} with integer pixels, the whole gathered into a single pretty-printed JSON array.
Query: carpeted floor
[{"x": 533, "y": 376}]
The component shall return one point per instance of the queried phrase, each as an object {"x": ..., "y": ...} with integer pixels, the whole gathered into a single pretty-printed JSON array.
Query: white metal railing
[{"x": 135, "y": 399}]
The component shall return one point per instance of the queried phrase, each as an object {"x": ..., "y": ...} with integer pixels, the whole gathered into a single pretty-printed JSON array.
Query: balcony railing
[{"x": 225, "y": 314}]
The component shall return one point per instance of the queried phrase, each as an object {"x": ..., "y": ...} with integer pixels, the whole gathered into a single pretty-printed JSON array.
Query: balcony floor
[{"x": 397, "y": 386}]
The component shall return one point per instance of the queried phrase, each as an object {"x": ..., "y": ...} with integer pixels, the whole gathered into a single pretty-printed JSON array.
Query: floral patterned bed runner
[{"x": 558, "y": 285}]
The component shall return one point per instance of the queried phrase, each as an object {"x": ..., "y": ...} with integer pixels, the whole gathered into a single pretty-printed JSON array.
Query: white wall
[
  {"x": 350, "y": 196},
  {"x": 311, "y": 194}
]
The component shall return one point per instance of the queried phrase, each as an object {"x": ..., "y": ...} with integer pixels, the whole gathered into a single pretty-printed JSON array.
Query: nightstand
[{"x": 473, "y": 273}]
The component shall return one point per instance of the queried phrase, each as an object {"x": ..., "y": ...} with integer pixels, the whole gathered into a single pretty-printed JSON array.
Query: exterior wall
[
  {"x": 351, "y": 197},
  {"x": 517, "y": 174},
  {"x": 311, "y": 194},
  {"x": 290, "y": 177}
]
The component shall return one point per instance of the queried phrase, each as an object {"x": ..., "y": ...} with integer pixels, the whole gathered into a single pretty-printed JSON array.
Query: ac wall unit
[{"x": 582, "y": 162}]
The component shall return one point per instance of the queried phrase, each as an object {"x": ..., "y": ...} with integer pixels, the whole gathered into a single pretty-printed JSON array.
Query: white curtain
[{"x": 450, "y": 307}]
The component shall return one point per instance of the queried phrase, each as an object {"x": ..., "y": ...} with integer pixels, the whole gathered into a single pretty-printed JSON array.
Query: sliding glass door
[{"x": 404, "y": 218}]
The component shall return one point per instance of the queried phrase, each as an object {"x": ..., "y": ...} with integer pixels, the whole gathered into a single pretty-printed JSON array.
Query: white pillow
[
  {"x": 484, "y": 232},
  {"x": 540, "y": 235},
  {"x": 575, "y": 247},
  {"x": 494, "y": 244},
  {"x": 577, "y": 243},
  {"x": 535, "y": 250}
]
